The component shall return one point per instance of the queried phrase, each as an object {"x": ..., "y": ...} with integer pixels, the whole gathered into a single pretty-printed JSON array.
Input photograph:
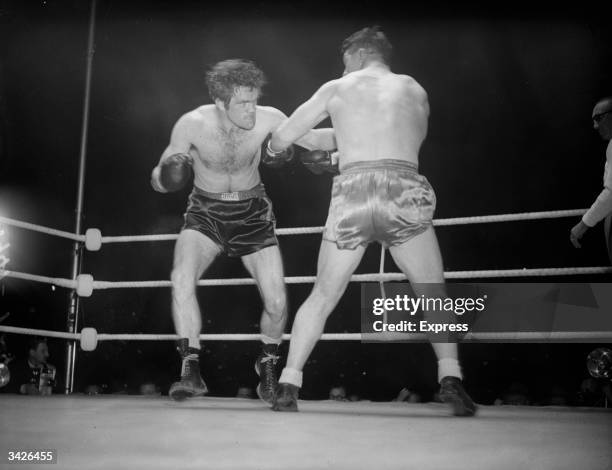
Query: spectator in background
[
  {"x": 118, "y": 387},
  {"x": 558, "y": 396},
  {"x": 515, "y": 394},
  {"x": 407, "y": 395},
  {"x": 5, "y": 358},
  {"x": 602, "y": 207},
  {"x": 594, "y": 392},
  {"x": 5, "y": 355},
  {"x": 33, "y": 375},
  {"x": 149, "y": 389},
  {"x": 93, "y": 389},
  {"x": 337, "y": 393}
]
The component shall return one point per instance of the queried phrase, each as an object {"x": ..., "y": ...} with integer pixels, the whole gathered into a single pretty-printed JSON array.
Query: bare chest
[{"x": 228, "y": 152}]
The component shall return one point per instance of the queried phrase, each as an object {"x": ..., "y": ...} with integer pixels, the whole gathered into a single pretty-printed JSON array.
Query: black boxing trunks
[
  {"x": 383, "y": 200},
  {"x": 240, "y": 222}
]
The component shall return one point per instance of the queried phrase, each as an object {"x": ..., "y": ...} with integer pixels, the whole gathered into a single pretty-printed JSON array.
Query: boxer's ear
[{"x": 220, "y": 104}]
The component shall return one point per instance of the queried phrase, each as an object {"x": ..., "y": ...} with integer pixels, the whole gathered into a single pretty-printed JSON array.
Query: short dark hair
[
  {"x": 225, "y": 76},
  {"x": 371, "y": 38},
  {"x": 34, "y": 341},
  {"x": 607, "y": 100}
]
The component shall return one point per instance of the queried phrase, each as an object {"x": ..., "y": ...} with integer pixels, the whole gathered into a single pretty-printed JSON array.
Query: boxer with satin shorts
[
  {"x": 380, "y": 121},
  {"x": 385, "y": 201}
]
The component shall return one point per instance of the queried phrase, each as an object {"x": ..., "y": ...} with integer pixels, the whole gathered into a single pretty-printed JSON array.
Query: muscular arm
[
  {"x": 303, "y": 119},
  {"x": 318, "y": 139},
  {"x": 180, "y": 143}
]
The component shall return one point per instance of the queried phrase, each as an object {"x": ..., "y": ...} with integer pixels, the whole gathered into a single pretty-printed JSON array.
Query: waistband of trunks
[
  {"x": 383, "y": 164},
  {"x": 254, "y": 192}
]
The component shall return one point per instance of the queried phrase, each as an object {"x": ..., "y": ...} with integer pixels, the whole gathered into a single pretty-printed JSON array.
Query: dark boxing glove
[
  {"x": 175, "y": 172},
  {"x": 275, "y": 159},
  {"x": 319, "y": 161}
]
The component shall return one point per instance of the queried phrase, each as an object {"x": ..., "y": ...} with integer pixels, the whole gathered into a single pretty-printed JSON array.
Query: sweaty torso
[
  {"x": 377, "y": 115},
  {"x": 227, "y": 160}
]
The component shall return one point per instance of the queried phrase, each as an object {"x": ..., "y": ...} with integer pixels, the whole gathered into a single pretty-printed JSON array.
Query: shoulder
[
  {"x": 330, "y": 87},
  {"x": 271, "y": 113},
  {"x": 609, "y": 151},
  {"x": 326, "y": 92},
  {"x": 269, "y": 118},
  {"x": 196, "y": 116},
  {"x": 192, "y": 121},
  {"x": 414, "y": 86}
]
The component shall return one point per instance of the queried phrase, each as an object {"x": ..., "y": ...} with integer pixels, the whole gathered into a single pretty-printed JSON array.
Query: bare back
[{"x": 377, "y": 114}]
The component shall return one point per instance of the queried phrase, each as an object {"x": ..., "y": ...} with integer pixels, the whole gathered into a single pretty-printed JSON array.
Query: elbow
[{"x": 279, "y": 141}]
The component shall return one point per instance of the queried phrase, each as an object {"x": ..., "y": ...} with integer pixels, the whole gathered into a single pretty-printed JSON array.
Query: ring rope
[
  {"x": 483, "y": 336},
  {"x": 487, "y": 219},
  {"x": 57, "y": 281},
  {"x": 33, "y": 332},
  {"x": 304, "y": 230},
  {"x": 42, "y": 229},
  {"x": 370, "y": 277},
  {"x": 436, "y": 222}
]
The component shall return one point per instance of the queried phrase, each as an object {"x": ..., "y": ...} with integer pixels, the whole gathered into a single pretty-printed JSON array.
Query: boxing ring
[
  {"x": 105, "y": 432},
  {"x": 155, "y": 432}
]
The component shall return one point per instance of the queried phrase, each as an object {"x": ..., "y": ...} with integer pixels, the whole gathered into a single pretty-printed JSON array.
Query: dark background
[{"x": 511, "y": 93}]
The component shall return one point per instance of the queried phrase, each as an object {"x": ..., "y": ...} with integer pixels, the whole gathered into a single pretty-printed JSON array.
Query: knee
[
  {"x": 324, "y": 299},
  {"x": 276, "y": 306}
]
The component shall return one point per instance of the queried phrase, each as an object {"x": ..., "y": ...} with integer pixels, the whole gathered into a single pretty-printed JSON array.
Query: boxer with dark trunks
[
  {"x": 380, "y": 121},
  {"x": 228, "y": 211}
]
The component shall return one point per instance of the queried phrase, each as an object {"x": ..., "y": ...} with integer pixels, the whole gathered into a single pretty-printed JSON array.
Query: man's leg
[
  {"x": 266, "y": 267},
  {"x": 420, "y": 260},
  {"x": 334, "y": 270},
  {"x": 193, "y": 254}
]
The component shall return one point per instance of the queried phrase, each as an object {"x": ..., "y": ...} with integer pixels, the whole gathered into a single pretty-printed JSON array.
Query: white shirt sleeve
[{"x": 603, "y": 204}]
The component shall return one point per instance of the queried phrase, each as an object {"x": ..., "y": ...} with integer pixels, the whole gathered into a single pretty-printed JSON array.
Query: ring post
[{"x": 72, "y": 316}]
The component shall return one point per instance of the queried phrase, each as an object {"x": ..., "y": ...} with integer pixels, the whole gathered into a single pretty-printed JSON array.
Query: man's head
[
  {"x": 38, "y": 351},
  {"x": 235, "y": 85},
  {"x": 337, "y": 393},
  {"x": 364, "y": 46},
  {"x": 602, "y": 118},
  {"x": 149, "y": 388}
]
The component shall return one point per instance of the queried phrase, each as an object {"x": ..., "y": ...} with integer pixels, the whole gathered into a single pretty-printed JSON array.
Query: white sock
[
  {"x": 267, "y": 340},
  {"x": 291, "y": 376},
  {"x": 449, "y": 367}
]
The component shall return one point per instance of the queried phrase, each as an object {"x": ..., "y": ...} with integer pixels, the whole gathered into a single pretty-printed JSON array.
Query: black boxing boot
[
  {"x": 265, "y": 366},
  {"x": 191, "y": 383},
  {"x": 286, "y": 397},
  {"x": 453, "y": 393}
]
